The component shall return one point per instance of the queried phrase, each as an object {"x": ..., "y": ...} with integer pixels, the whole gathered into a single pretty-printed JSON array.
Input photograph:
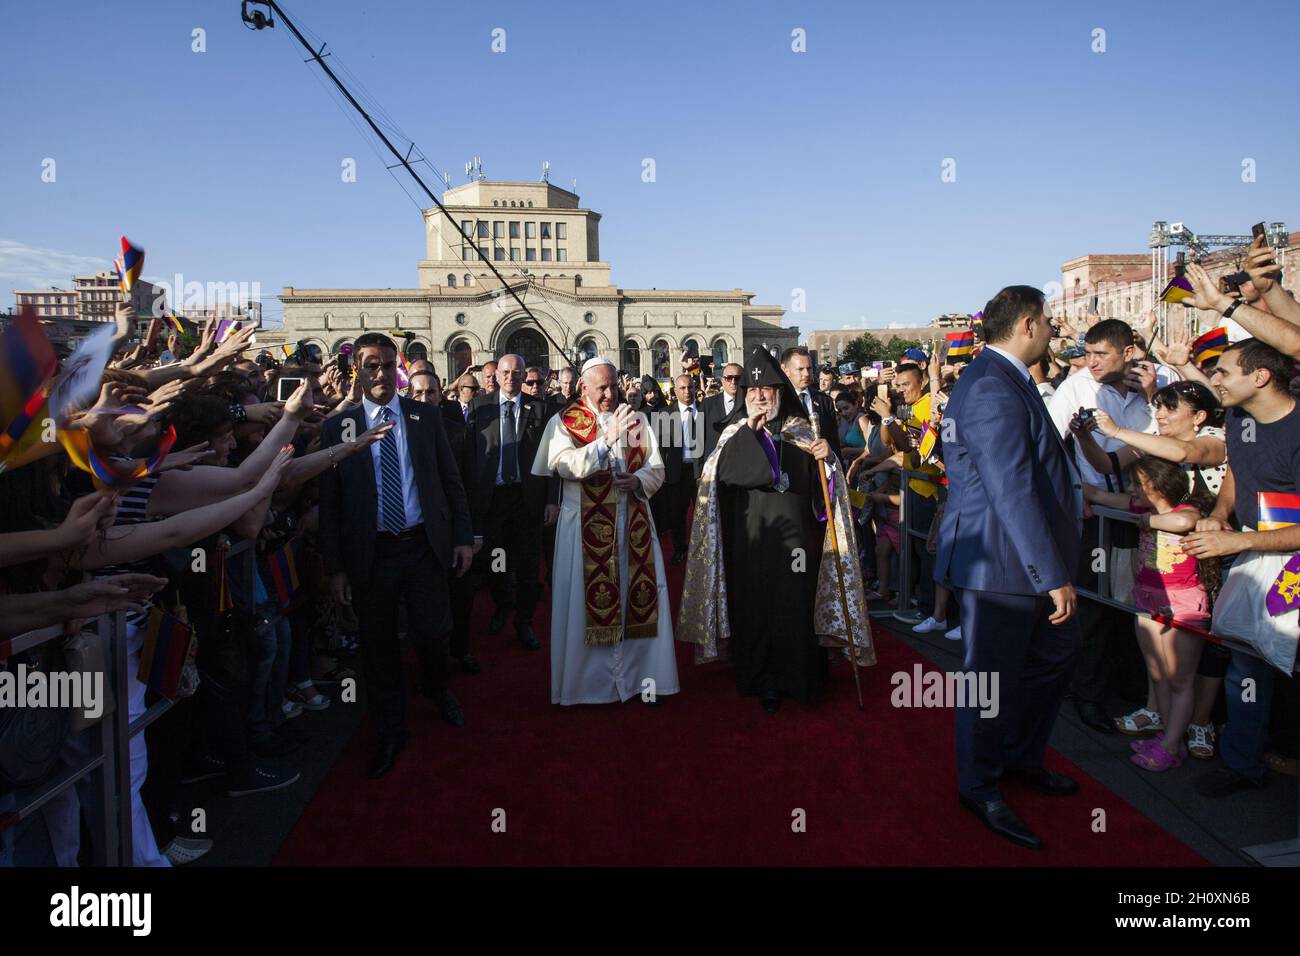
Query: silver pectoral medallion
[{"x": 784, "y": 484}]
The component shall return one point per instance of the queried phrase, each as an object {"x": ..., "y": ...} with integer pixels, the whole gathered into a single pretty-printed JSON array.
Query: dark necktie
[
  {"x": 509, "y": 448},
  {"x": 807, "y": 403},
  {"x": 392, "y": 504},
  {"x": 690, "y": 431}
]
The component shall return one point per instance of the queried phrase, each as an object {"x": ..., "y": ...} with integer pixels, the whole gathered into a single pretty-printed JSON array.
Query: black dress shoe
[
  {"x": 527, "y": 637},
  {"x": 383, "y": 759},
  {"x": 450, "y": 708},
  {"x": 771, "y": 703},
  {"x": 1002, "y": 820},
  {"x": 498, "y": 622},
  {"x": 1093, "y": 716},
  {"x": 1044, "y": 781},
  {"x": 469, "y": 664}
]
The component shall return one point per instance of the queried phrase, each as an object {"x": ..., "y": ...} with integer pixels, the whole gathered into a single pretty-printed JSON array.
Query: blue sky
[{"x": 775, "y": 170}]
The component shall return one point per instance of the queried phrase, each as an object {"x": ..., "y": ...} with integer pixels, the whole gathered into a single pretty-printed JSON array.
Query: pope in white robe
[{"x": 601, "y": 665}]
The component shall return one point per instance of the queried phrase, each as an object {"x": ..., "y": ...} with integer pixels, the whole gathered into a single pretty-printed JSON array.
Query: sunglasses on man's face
[
  {"x": 731, "y": 378},
  {"x": 533, "y": 382}
]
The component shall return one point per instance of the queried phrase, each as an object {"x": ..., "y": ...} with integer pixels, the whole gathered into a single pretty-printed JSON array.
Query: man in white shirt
[
  {"x": 1111, "y": 382},
  {"x": 683, "y": 452},
  {"x": 1122, "y": 388}
]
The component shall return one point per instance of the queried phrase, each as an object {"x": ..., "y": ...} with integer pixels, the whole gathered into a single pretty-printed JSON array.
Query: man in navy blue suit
[{"x": 1010, "y": 542}]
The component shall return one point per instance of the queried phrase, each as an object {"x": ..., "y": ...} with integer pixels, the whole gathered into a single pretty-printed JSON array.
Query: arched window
[
  {"x": 719, "y": 356},
  {"x": 692, "y": 348},
  {"x": 416, "y": 352},
  {"x": 577, "y": 280},
  {"x": 632, "y": 357},
  {"x": 660, "y": 359},
  {"x": 530, "y": 204},
  {"x": 460, "y": 357},
  {"x": 469, "y": 280},
  {"x": 587, "y": 349},
  {"x": 494, "y": 202},
  {"x": 451, "y": 280}
]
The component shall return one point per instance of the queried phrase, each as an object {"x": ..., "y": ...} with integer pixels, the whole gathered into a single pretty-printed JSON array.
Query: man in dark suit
[
  {"x": 1010, "y": 542},
  {"x": 798, "y": 368},
  {"x": 391, "y": 524},
  {"x": 506, "y": 499},
  {"x": 722, "y": 409},
  {"x": 682, "y": 448},
  {"x": 426, "y": 387}
]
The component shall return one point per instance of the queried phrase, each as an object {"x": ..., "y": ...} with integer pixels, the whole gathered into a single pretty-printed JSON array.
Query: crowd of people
[{"x": 296, "y": 514}]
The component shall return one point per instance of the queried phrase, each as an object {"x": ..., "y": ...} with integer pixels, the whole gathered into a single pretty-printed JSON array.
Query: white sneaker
[
  {"x": 928, "y": 625},
  {"x": 954, "y": 634},
  {"x": 291, "y": 709}
]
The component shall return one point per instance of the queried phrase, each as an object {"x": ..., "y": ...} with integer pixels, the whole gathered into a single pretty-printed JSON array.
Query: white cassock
[{"x": 582, "y": 674}]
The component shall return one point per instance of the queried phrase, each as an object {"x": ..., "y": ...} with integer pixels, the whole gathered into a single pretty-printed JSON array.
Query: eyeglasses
[
  {"x": 731, "y": 378},
  {"x": 534, "y": 382}
]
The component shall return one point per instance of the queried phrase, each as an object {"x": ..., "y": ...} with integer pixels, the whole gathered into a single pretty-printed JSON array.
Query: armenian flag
[
  {"x": 1277, "y": 509},
  {"x": 108, "y": 473},
  {"x": 130, "y": 265},
  {"x": 960, "y": 344},
  {"x": 1210, "y": 345},
  {"x": 1179, "y": 288},
  {"x": 167, "y": 641},
  {"x": 27, "y": 365},
  {"x": 283, "y": 566}
]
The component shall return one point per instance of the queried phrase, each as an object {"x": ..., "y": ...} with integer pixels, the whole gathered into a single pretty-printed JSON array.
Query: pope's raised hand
[{"x": 619, "y": 423}]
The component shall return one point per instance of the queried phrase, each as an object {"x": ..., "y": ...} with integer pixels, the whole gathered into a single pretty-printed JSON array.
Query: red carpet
[{"x": 706, "y": 779}]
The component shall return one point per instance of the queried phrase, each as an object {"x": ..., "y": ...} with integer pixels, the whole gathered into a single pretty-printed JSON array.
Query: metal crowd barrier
[
  {"x": 1280, "y": 853},
  {"x": 102, "y": 766},
  {"x": 110, "y": 765}
]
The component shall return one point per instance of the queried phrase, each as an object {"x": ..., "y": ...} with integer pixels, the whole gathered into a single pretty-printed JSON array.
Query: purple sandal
[
  {"x": 1155, "y": 758},
  {"x": 1137, "y": 746}
]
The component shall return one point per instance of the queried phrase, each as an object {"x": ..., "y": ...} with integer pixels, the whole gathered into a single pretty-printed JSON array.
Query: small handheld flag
[
  {"x": 960, "y": 344},
  {"x": 1277, "y": 509},
  {"x": 27, "y": 364},
  {"x": 174, "y": 322},
  {"x": 1210, "y": 345},
  {"x": 929, "y": 439},
  {"x": 167, "y": 641},
  {"x": 130, "y": 265},
  {"x": 1179, "y": 288},
  {"x": 283, "y": 566},
  {"x": 108, "y": 473},
  {"x": 226, "y": 328}
]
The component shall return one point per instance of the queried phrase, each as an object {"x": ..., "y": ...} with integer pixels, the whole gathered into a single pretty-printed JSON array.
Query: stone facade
[{"x": 548, "y": 248}]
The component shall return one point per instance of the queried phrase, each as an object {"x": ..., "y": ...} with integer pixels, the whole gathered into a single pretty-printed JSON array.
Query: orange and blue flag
[
  {"x": 131, "y": 264},
  {"x": 1210, "y": 345},
  {"x": 960, "y": 344},
  {"x": 1277, "y": 509},
  {"x": 167, "y": 641},
  {"x": 27, "y": 365}
]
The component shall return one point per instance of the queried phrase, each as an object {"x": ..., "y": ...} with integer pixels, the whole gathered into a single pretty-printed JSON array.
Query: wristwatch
[
  {"x": 888, "y": 421},
  {"x": 1227, "y": 313}
]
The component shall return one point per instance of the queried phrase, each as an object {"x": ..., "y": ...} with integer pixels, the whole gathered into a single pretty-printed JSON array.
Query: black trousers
[
  {"x": 511, "y": 552},
  {"x": 1097, "y": 623},
  {"x": 404, "y": 571},
  {"x": 1008, "y": 635},
  {"x": 680, "y": 495}
]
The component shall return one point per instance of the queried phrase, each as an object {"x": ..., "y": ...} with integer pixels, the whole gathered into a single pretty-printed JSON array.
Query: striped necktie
[{"x": 392, "y": 506}]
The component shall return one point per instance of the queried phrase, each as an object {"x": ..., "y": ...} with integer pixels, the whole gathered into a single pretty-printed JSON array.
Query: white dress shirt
[
  {"x": 1081, "y": 390},
  {"x": 410, "y": 493},
  {"x": 501, "y": 435},
  {"x": 1021, "y": 367},
  {"x": 728, "y": 403},
  {"x": 690, "y": 415}
]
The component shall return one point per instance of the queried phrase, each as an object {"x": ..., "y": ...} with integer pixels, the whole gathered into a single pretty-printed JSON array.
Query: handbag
[{"x": 1240, "y": 610}]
